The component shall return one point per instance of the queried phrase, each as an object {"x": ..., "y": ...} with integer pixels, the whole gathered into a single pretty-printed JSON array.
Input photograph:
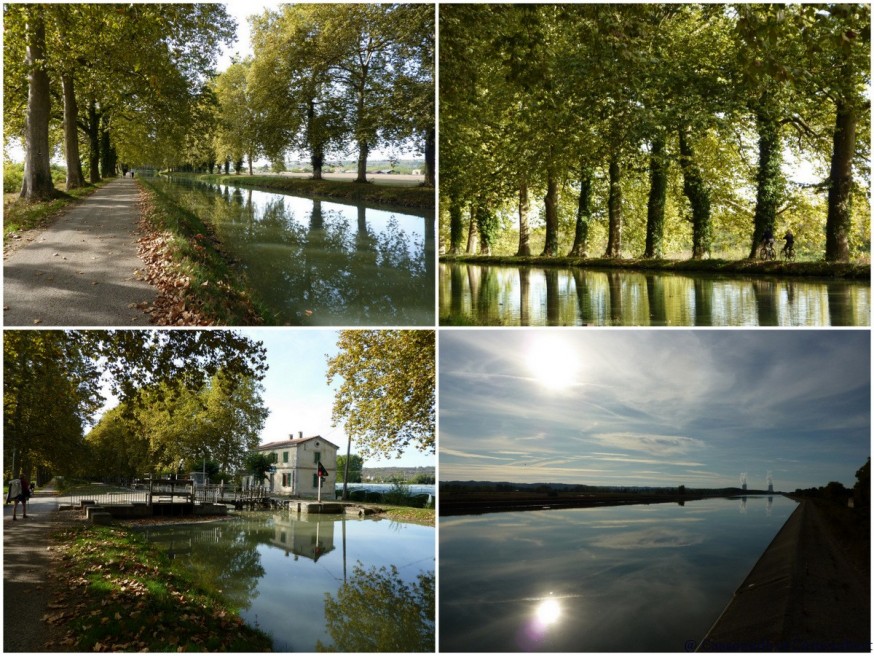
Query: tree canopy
[
  {"x": 654, "y": 130},
  {"x": 387, "y": 389},
  {"x": 324, "y": 78},
  {"x": 173, "y": 432},
  {"x": 55, "y": 382},
  {"x": 129, "y": 78}
]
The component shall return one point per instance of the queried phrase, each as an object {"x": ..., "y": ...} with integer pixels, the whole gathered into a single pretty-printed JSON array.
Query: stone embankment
[{"x": 804, "y": 594}]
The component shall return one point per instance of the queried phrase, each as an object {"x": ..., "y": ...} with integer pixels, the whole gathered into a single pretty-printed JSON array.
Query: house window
[
  {"x": 274, "y": 458},
  {"x": 285, "y": 456},
  {"x": 318, "y": 455},
  {"x": 316, "y": 481}
]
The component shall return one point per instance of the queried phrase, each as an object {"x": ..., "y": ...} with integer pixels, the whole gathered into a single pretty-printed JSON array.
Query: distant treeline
[
  {"x": 480, "y": 487},
  {"x": 415, "y": 475},
  {"x": 834, "y": 491}
]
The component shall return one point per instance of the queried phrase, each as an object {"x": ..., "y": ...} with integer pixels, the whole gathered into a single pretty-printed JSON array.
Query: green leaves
[
  {"x": 54, "y": 381},
  {"x": 533, "y": 91},
  {"x": 386, "y": 397}
]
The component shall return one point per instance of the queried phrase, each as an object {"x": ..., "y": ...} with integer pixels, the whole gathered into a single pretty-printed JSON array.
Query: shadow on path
[{"x": 82, "y": 270}]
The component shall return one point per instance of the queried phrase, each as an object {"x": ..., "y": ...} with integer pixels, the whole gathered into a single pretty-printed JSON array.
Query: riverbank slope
[{"x": 809, "y": 591}]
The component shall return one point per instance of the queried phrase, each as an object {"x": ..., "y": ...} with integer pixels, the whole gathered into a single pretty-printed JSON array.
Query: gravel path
[
  {"x": 80, "y": 270},
  {"x": 26, "y": 565}
]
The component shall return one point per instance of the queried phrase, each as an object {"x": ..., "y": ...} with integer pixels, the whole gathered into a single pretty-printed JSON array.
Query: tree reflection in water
[
  {"x": 375, "y": 610},
  {"x": 566, "y": 296}
]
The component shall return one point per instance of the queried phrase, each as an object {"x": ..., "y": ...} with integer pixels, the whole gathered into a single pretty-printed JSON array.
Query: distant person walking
[{"x": 19, "y": 491}]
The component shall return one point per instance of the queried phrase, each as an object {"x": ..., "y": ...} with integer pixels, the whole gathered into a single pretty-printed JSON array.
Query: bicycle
[
  {"x": 788, "y": 252},
  {"x": 766, "y": 251}
]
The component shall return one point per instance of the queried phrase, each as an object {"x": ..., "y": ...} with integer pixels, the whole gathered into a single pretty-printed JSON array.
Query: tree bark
[
  {"x": 93, "y": 142},
  {"x": 251, "y": 157},
  {"x": 838, "y": 223},
  {"x": 456, "y": 228},
  {"x": 584, "y": 214},
  {"x": 75, "y": 178},
  {"x": 614, "y": 211},
  {"x": 317, "y": 148},
  {"x": 430, "y": 157},
  {"x": 37, "y": 183},
  {"x": 485, "y": 230},
  {"x": 550, "y": 201},
  {"x": 363, "y": 150},
  {"x": 699, "y": 198},
  {"x": 524, "y": 235},
  {"x": 769, "y": 187},
  {"x": 658, "y": 190},
  {"x": 472, "y": 231},
  {"x": 360, "y": 108},
  {"x": 107, "y": 151}
]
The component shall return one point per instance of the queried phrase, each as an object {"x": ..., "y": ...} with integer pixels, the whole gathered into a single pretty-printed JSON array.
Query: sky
[
  {"x": 241, "y": 11},
  {"x": 654, "y": 407},
  {"x": 298, "y": 396}
]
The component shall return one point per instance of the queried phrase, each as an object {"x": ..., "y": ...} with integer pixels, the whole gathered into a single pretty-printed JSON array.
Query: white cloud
[{"x": 660, "y": 445}]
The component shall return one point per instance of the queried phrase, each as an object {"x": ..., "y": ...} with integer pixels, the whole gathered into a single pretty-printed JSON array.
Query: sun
[{"x": 552, "y": 363}]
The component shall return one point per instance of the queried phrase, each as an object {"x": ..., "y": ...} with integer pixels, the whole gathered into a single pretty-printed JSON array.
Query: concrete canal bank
[{"x": 804, "y": 594}]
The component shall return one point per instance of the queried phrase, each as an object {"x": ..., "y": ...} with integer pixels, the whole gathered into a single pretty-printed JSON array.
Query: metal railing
[
  {"x": 105, "y": 498},
  {"x": 168, "y": 491}
]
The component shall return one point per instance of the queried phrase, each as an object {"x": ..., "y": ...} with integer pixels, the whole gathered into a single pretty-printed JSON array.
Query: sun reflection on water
[
  {"x": 540, "y": 627},
  {"x": 548, "y": 612}
]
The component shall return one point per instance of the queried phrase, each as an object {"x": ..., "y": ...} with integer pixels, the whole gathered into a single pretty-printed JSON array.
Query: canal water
[
  {"x": 286, "y": 574},
  {"x": 532, "y": 296},
  {"x": 321, "y": 262},
  {"x": 616, "y": 579}
]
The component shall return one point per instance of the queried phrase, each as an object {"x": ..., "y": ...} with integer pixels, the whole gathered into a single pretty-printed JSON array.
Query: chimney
[
  {"x": 301, "y": 434},
  {"x": 291, "y": 436}
]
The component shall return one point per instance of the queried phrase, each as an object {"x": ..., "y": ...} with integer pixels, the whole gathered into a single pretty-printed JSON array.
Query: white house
[{"x": 296, "y": 461}]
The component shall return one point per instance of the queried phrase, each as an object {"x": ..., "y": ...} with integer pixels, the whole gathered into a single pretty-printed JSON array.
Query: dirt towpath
[
  {"x": 80, "y": 270},
  {"x": 27, "y": 558}
]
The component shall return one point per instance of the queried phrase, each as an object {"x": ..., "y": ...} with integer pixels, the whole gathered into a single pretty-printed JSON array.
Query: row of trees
[
  {"x": 122, "y": 80},
  {"x": 324, "y": 76},
  {"x": 178, "y": 431},
  {"x": 183, "y": 395},
  {"x": 835, "y": 491},
  {"x": 136, "y": 84},
  {"x": 672, "y": 124}
]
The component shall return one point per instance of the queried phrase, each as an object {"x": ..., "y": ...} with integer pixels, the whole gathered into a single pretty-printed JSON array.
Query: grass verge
[
  {"x": 197, "y": 281},
  {"x": 413, "y": 515},
  {"x": 848, "y": 271},
  {"x": 418, "y": 197},
  {"x": 121, "y": 594},
  {"x": 20, "y": 215}
]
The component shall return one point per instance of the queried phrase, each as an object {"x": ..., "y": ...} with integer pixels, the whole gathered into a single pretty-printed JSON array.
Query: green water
[
  {"x": 320, "y": 262},
  {"x": 531, "y": 296},
  {"x": 618, "y": 579},
  {"x": 317, "y": 582}
]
